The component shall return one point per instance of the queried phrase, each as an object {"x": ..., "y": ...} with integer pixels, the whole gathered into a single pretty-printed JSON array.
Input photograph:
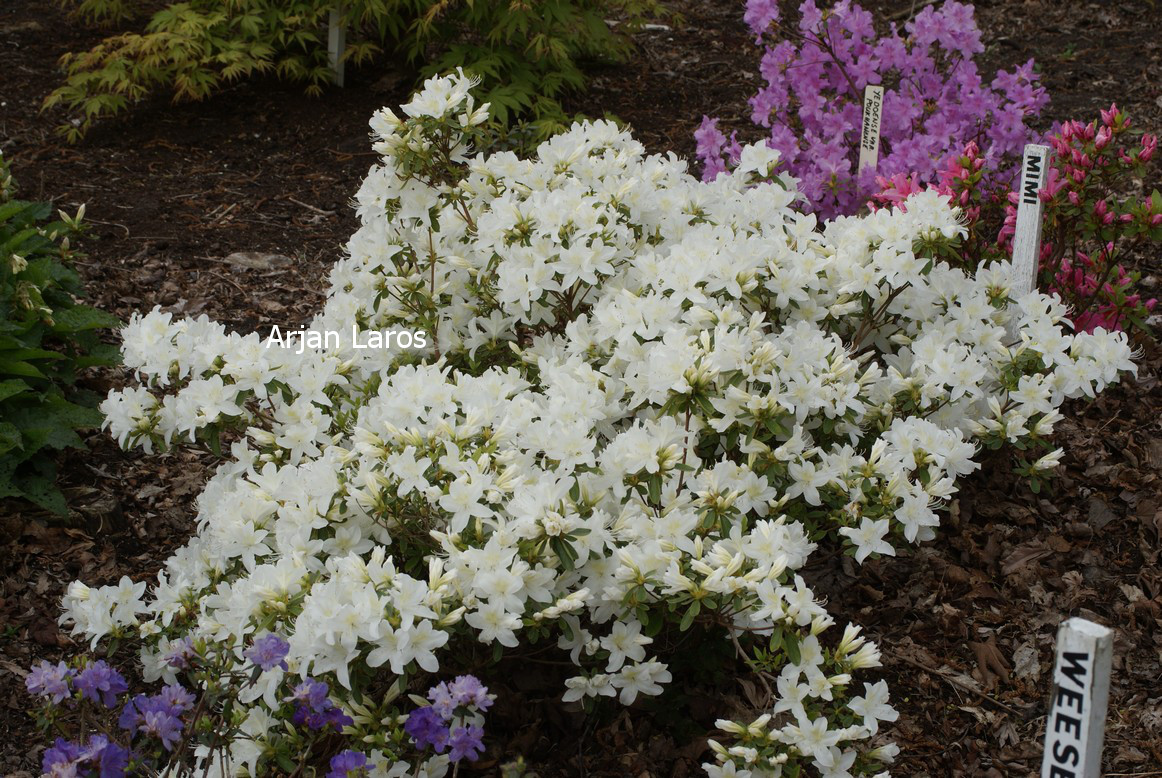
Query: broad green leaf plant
[{"x": 46, "y": 337}]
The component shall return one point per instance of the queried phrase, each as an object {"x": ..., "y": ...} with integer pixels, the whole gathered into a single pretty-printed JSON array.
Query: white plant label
[
  {"x": 336, "y": 44},
  {"x": 1027, "y": 237},
  {"x": 869, "y": 139},
  {"x": 1077, "y": 710}
]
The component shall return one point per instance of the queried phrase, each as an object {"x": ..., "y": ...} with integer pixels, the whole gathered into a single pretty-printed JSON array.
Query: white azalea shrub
[{"x": 644, "y": 400}]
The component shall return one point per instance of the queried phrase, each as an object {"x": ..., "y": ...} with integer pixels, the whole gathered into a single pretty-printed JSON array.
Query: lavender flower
[
  {"x": 101, "y": 683},
  {"x": 162, "y": 725},
  {"x": 61, "y": 760},
  {"x": 48, "y": 680},
  {"x": 180, "y": 653},
  {"x": 66, "y": 759},
  {"x": 111, "y": 759},
  {"x": 467, "y": 743},
  {"x": 157, "y": 716},
  {"x": 268, "y": 652},
  {"x": 177, "y": 697},
  {"x": 426, "y": 728},
  {"x": 467, "y": 690},
  {"x": 429, "y": 726},
  {"x": 348, "y": 764},
  {"x": 311, "y": 693},
  {"x": 442, "y": 700},
  {"x": 812, "y": 104},
  {"x": 315, "y": 709}
]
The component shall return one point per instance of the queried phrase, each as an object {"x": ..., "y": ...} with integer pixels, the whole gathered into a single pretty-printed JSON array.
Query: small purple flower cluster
[
  {"x": 268, "y": 652},
  {"x": 180, "y": 654},
  {"x": 158, "y": 716},
  {"x": 49, "y": 680},
  {"x": 348, "y": 764},
  {"x": 97, "y": 682},
  {"x": 433, "y": 725},
  {"x": 66, "y": 759},
  {"x": 313, "y": 707},
  {"x": 935, "y": 101},
  {"x": 100, "y": 683}
]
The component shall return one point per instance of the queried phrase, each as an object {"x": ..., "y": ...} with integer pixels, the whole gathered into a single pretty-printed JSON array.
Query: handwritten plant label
[
  {"x": 1077, "y": 710},
  {"x": 869, "y": 139},
  {"x": 336, "y": 44},
  {"x": 1027, "y": 238}
]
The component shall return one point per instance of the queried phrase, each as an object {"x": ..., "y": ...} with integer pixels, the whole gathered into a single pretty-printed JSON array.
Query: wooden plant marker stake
[
  {"x": 336, "y": 43},
  {"x": 1076, "y": 724},
  {"x": 869, "y": 138},
  {"x": 1027, "y": 237}
]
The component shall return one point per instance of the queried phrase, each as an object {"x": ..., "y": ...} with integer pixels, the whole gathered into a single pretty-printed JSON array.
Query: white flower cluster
[{"x": 645, "y": 399}]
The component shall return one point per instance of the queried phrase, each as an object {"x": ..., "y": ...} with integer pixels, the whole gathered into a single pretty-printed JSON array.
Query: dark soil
[{"x": 967, "y": 623}]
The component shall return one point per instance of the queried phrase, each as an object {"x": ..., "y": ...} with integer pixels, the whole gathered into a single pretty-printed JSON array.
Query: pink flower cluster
[
  {"x": 935, "y": 100},
  {"x": 1087, "y": 227}
]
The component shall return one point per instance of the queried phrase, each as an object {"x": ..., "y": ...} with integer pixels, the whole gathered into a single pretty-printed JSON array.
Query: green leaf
[
  {"x": 654, "y": 487},
  {"x": 83, "y": 317},
  {"x": 37, "y": 484},
  {"x": 10, "y": 437},
  {"x": 18, "y": 367},
  {"x": 12, "y": 387},
  {"x": 791, "y": 646},
  {"x": 691, "y": 613}
]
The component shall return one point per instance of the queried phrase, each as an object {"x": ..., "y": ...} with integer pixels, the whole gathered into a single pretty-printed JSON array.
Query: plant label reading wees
[
  {"x": 1027, "y": 237},
  {"x": 1077, "y": 710},
  {"x": 869, "y": 139}
]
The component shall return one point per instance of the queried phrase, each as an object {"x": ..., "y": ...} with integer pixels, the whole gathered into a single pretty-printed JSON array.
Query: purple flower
[
  {"x": 131, "y": 714},
  {"x": 268, "y": 652},
  {"x": 329, "y": 716},
  {"x": 159, "y": 715},
  {"x": 761, "y": 14},
  {"x": 180, "y": 653},
  {"x": 311, "y": 693},
  {"x": 467, "y": 743},
  {"x": 442, "y": 701},
  {"x": 109, "y": 758},
  {"x": 467, "y": 690},
  {"x": 62, "y": 759},
  {"x": 66, "y": 759},
  {"x": 425, "y": 727},
  {"x": 177, "y": 697},
  {"x": 315, "y": 709},
  {"x": 162, "y": 725},
  {"x": 934, "y": 100},
  {"x": 348, "y": 764},
  {"x": 100, "y": 683},
  {"x": 47, "y": 680}
]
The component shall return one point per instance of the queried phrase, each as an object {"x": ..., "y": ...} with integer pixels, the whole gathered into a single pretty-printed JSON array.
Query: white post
[
  {"x": 1077, "y": 711},
  {"x": 336, "y": 43},
  {"x": 1027, "y": 238},
  {"x": 869, "y": 139}
]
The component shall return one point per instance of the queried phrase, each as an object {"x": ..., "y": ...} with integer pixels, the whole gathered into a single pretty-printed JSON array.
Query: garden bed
[{"x": 966, "y": 623}]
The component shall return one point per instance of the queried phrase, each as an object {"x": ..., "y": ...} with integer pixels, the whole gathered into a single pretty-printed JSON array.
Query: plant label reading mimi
[
  {"x": 1077, "y": 709},
  {"x": 869, "y": 139},
  {"x": 1027, "y": 237}
]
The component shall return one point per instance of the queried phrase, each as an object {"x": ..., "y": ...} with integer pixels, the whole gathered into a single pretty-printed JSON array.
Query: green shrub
[
  {"x": 525, "y": 51},
  {"x": 46, "y": 337}
]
